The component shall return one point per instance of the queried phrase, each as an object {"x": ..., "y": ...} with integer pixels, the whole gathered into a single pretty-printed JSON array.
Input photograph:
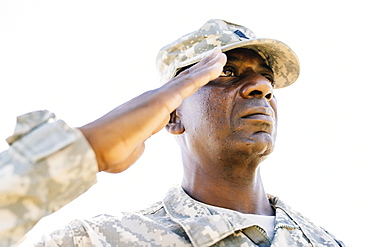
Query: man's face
[{"x": 235, "y": 115}]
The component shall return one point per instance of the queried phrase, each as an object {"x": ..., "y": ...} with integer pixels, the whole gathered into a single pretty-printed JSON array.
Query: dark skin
[
  {"x": 118, "y": 137},
  {"x": 225, "y": 130}
]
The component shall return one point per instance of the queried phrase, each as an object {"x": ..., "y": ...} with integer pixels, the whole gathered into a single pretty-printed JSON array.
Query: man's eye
[
  {"x": 227, "y": 72},
  {"x": 269, "y": 77}
]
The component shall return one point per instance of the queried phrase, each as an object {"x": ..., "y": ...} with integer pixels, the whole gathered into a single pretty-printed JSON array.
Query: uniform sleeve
[
  {"x": 47, "y": 165},
  {"x": 339, "y": 242},
  {"x": 74, "y": 234}
]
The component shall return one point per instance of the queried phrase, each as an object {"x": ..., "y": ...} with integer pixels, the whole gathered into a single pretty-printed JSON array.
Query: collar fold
[{"x": 204, "y": 226}]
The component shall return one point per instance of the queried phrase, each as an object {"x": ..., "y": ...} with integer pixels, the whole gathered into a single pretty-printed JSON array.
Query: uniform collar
[
  {"x": 206, "y": 226},
  {"x": 283, "y": 214}
]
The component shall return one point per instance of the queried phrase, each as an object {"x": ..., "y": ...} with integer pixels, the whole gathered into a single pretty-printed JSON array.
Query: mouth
[{"x": 260, "y": 114}]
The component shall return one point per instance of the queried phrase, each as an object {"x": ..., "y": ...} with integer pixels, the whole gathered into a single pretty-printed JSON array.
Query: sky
[{"x": 80, "y": 59}]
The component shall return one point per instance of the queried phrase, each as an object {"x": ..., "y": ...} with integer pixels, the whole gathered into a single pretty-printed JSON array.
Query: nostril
[
  {"x": 259, "y": 94},
  {"x": 268, "y": 96},
  {"x": 255, "y": 93}
]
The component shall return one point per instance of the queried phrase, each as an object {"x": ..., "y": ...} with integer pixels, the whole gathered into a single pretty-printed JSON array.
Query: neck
[{"x": 239, "y": 189}]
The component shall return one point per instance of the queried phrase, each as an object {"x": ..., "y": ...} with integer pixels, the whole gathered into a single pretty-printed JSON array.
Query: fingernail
[{"x": 216, "y": 49}]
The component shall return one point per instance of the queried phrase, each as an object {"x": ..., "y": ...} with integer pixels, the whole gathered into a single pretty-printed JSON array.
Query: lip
[{"x": 259, "y": 113}]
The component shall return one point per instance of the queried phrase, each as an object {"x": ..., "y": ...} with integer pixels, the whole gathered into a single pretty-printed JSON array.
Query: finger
[
  {"x": 212, "y": 58},
  {"x": 201, "y": 73},
  {"x": 176, "y": 90},
  {"x": 212, "y": 54},
  {"x": 212, "y": 68},
  {"x": 198, "y": 75}
]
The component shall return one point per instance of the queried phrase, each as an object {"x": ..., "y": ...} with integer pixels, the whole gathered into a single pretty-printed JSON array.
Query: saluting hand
[{"x": 118, "y": 137}]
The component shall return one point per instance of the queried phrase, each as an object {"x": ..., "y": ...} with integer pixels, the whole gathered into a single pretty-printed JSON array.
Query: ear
[{"x": 175, "y": 126}]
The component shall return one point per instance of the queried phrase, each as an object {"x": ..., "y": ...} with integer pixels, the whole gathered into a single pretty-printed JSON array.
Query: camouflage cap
[{"x": 192, "y": 47}]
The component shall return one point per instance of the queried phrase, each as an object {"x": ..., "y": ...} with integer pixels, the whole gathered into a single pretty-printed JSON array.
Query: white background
[{"x": 80, "y": 59}]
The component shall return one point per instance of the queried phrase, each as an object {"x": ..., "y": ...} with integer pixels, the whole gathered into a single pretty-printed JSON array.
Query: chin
[
  {"x": 262, "y": 143},
  {"x": 263, "y": 149}
]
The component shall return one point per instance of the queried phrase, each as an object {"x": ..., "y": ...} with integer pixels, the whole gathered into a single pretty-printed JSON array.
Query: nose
[{"x": 257, "y": 87}]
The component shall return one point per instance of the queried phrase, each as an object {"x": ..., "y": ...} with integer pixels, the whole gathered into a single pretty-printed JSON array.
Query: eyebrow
[
  {"x": 232, "y": 58},
  {"x": 265, "y": 66}
]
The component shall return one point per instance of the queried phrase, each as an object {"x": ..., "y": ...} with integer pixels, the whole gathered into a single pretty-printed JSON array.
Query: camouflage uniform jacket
[
  {"x": 47, "y": 165},
  {"x": 179, "y": 220},
  {"x": 39, "y": 175}
]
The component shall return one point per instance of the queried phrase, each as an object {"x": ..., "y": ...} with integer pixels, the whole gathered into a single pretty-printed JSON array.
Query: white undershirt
[{"x": 267, "y": 223}]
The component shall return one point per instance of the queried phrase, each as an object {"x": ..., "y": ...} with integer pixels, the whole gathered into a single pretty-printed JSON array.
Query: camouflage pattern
[
  {"x": 40, "y": 175},
  {"x": 179, "y": 220},
  {"x": 47, "y": 165},
  {"x": 192, "y": 47}
]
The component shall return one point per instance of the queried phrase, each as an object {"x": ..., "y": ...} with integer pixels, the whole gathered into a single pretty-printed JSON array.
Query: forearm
[{"x": 47, "y": 165}]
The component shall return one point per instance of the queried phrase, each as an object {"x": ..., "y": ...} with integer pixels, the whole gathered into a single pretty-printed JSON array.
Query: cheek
[
  {"x": 214, "y": 110},
  {"x": 273, "y": 104},
  {"x": 207, "y": 110}
]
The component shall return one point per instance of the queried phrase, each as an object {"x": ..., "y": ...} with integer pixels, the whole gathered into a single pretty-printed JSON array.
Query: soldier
[
  {"x": 48, "y": 163},
  {"x": 225, "y": 129}
]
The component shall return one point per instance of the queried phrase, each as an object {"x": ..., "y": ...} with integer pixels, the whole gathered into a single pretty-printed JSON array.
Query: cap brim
[{"x": 279, "y": 56}]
